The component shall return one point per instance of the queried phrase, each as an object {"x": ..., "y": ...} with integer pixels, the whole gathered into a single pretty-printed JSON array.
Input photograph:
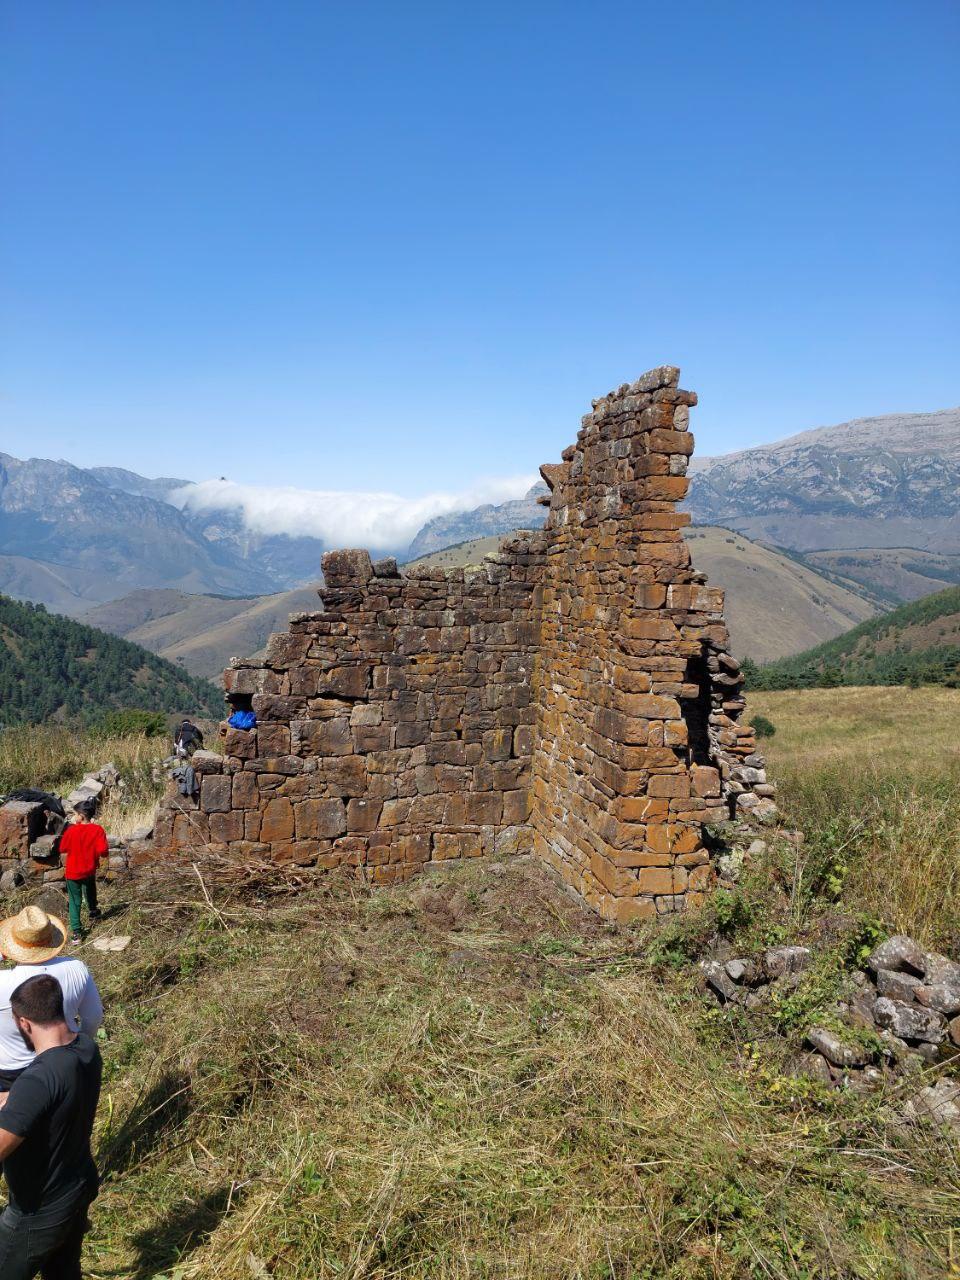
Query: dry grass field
[
  {"x": 874, "y": 774},
  {"x": 55, "y": 759}
]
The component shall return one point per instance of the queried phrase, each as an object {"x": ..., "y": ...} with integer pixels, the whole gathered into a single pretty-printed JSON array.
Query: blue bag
[{"x": 243, "y": 720}]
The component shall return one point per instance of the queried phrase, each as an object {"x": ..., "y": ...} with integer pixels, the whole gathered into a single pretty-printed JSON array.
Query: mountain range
[
  {"x": 481, "y": 522},
  {"x": 891, "y": 481},
  {"x": 868, "y": 508},
  {"x": 72, "y": 537}
]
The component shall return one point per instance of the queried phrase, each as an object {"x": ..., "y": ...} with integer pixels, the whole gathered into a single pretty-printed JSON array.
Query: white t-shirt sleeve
[{"x": 90, "y": 1007}]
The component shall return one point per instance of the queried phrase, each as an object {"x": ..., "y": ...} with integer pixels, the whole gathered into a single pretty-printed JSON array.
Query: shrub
[
  {"x": 126, "y": 723},
  {"x": 763, "y": 727}
]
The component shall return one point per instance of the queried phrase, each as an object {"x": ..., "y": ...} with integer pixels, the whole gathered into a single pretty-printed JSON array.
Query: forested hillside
[
  {"x": 54, "y": 668},
  {"x": 919, "y": 643}
]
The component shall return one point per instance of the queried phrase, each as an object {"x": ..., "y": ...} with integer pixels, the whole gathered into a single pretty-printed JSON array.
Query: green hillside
[
  {"x": 52, "y": 668},
  {"x": 919, "y": 643}
]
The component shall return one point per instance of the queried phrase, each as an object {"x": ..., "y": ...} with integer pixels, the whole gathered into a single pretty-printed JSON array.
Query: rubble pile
[
  {"x": 898, "y": 1014},
  {"x": 30, "y": 829},
  {"x": 573, "y": 697}
]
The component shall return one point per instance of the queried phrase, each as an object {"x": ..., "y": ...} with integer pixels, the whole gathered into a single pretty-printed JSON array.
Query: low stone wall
[
  {"x": 394, "y": 728},
  {"x": 573, "y": 695}
]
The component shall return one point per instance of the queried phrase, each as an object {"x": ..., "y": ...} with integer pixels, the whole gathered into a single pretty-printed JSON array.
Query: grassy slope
[
  {"x": 202, "y": 632},
  {"x": 894, "y": 573},
  {"x": 471, "y": 1077},
  {"x": 775, "y": 605},
  {"x": 874, "y": 775},
  {"x": 911, "y": 639},
  {"x": 209, "y": 650},
  {"x": 67, "y": 591}
]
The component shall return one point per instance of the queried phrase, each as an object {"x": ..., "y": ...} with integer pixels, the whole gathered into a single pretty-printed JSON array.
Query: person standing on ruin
[
  {"x": 45, "y": 1128},
  {"x": 82, "y": 846},
  {"x": 187, "y": 740}
]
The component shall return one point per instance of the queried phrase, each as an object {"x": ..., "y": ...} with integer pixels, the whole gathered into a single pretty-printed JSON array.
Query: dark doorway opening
[{"x": 696, "y": 711}]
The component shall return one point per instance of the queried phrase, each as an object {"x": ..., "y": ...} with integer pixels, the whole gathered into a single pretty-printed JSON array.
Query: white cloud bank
[{"x": 380, "y": 521}]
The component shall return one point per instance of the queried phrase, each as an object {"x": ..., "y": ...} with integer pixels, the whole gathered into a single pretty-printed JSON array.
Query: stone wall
[
  {"x": 393, "y": 728},
  {"x": 573, "y": 696},
  {"x": 638, "y": 701}
]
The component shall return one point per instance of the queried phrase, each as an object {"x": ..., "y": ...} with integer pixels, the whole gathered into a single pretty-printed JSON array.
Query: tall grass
[
  {"x": 55, "y": 759},
  {"x": 872, "y": 778}
]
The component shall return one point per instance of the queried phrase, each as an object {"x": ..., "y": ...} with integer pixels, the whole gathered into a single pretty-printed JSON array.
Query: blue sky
[{"x": 401, "y": 246}]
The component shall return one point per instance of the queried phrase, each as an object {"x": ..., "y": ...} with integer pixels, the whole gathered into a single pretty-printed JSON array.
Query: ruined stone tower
[{"x": 572, "y": 697}]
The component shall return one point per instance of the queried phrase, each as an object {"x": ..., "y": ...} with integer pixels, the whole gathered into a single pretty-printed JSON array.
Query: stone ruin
[{"x": 573, "y": 697}]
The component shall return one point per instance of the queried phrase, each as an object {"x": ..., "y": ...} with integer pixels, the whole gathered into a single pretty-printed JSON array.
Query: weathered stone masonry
[{"x": 573, "y": 696}]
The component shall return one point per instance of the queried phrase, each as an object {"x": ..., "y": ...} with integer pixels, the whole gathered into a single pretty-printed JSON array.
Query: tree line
[
  {"x": 53, "y": 668},
  {"x": 889, "y": 650}
]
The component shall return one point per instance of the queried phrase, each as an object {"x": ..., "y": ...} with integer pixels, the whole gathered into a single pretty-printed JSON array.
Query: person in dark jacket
[
  {"x": 187, "y": 740},
  {"x": 45, "y": 1124}
]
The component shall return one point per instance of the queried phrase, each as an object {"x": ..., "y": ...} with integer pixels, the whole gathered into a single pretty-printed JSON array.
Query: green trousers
[{"x": 76, "y": 891}]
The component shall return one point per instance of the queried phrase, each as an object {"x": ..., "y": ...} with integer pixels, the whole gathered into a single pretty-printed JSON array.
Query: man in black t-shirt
[{"x": 45, "y": 1127}]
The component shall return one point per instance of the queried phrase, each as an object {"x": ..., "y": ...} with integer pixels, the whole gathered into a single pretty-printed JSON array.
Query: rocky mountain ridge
[
  {"x": 74, "y": 537},
  {"x": 481, "y": 522},
  {"x": 890, "y": 481},
  {"x": 111, "y": 541}
]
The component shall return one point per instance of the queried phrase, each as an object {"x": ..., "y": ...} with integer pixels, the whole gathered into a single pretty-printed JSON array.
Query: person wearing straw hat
[
  {"x": 45, "y": 1128},
  {"x": 34, "y": 941}
]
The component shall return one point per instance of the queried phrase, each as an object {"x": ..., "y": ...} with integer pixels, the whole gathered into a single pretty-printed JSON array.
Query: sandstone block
[
  {"x": 659, "y": 880},
  {"x": 21, "y": 822},
  {"x": 215, "y": 793},
  {"x": 705, "y": 781},
  {"x": 363, "y": 815},
  {"x": 516, "y": 807},
  {"x": 628, "y": 910},
  {"x": 673, "y": 785},
  {"x": 664, "y": 441},
  {"x": 649, "y": 706},
  {"x": 273, "y": 739},
  {"x": 447, "y": 844},
  {"x": 319, "y": 819},
  {"x": 352, "y": 567},
  {"x": 225, "y": 827},
  {"x": 241, "y": 743},
  {"x": 278, "y": 824}
]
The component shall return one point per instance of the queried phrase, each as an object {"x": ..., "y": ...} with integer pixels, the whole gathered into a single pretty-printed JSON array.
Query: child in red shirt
[{"x": 82, "y": 846}]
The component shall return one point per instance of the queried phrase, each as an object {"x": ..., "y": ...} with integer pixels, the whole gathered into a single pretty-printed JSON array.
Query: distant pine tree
[{"x": 856, "y": 658}]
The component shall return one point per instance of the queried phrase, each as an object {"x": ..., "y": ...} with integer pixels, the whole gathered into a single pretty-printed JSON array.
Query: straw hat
[{"x": 32, "y": 936}]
